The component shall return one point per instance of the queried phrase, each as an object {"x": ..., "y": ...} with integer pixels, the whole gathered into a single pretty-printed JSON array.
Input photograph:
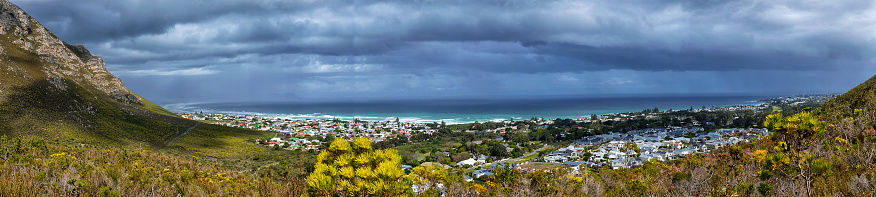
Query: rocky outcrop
[
  {"x": 13, "y": 17},
  {"x": 61, "y": 60}
]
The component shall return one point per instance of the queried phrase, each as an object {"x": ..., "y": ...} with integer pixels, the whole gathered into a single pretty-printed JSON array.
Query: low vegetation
[{"x": 34, "y": 166}]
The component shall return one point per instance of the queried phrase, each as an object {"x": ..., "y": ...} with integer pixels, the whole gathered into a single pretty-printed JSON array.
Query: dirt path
[{"x": 177, "y": 137}]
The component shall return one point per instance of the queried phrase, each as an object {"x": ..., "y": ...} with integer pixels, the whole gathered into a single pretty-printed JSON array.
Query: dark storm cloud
[
  {"x": 693, "y": 59},
  {"x": 401, "y": 47},
  {"x": 102, "y": 20},
  {"x": 647, "y": 35}
]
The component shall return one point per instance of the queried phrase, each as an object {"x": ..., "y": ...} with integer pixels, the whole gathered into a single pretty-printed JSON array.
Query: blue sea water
[{"x": 454, "y": 111}]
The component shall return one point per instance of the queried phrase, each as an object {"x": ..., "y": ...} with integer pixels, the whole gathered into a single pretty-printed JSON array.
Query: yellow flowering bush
[
  {"x": 61, "y": 160},
  {"x": 760, "y": 156},
  {"x": 357, "y": 169}
]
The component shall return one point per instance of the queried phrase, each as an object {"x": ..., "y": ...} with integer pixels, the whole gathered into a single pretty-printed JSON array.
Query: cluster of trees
[
  {"x": 720, "y": 119},
  {"x": 477, "y": 126}
]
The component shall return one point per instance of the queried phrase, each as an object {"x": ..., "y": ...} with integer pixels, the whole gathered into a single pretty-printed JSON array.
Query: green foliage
[
  {"x": 505, "y": 176},
  {"x": 680, "y": 176},
  {"x": 822, "y": 167},
  {"x": 637, "y": 187},
  {"x": 148, "y": 105},
  {"x": 429, "y": 177},
  {"x": 744, "y": 189},
  {"x": 83, "y": 114},
  {"x": 108, "y": 192},
  {"x": 73, "y": 169},
  {"x": 634, "y": 147},
  {"x": 763, "y": 175},
  {"x": 801, "y": 125},
  {"x": 357, "y": 169},
  {"x": 60, "y": 160},
  {"x": 737, "y": 152},
  {"x": 765, "y": 189}
]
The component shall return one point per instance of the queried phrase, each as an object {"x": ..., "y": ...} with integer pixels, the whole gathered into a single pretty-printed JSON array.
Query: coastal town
[
  {"x": 613, "y": 149},
  {"x": 294, "y": 134},
  {"x": 637, "y": 147}
]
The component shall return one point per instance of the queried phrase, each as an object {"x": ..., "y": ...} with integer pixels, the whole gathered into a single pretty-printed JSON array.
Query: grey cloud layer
[
  {"x": 636, "y": 35},
  {"x": 324, "y": 43}
]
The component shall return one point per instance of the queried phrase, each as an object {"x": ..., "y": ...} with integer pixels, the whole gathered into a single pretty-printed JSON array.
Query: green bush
[
  {"x": 765, "y": 188},
  {"x": 678, "y": 176},
  {"x": 108, "y": 192},
  {"x": 637, "y": 186},
  {"x": 822, "y": 167},
  {"x": 801, "y": 125},
  {"x": 764, "y": 175}
]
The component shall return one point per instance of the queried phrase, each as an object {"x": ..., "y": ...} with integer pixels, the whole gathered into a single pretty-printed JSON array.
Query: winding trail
[{"x": 177, "y": 137}]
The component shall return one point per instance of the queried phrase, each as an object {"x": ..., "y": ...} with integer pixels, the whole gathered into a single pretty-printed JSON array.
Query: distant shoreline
[{"x": 463, "y": 111}]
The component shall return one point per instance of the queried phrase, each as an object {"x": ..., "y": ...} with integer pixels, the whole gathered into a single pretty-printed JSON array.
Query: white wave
[
  {"x": 193, "y": 108},
  {"x": 498, "y": 120}
]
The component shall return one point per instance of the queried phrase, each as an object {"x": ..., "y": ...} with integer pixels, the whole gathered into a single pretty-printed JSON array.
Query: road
[{"x": 514, "y": 159}]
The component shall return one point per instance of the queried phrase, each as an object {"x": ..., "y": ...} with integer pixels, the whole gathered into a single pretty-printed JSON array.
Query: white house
[
  {"x": 555, "y": 159},
  {"x": 481, "y": 172},
  {"x": 469, "y": 161}
]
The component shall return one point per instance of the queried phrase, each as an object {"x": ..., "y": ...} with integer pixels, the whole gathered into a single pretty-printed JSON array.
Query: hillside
[
  {"x": 861, "y": 97},
  {"x": 34, "y": 166},
  {"x": 61, "y": 91}
]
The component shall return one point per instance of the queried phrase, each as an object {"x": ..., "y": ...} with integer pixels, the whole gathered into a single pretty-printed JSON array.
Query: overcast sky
[{"x": 270, "y": 50}]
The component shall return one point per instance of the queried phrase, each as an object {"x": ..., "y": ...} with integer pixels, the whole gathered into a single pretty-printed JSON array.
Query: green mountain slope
[
  {"x": 53, "y": 89},
  {"x": 862, "y": 97}
]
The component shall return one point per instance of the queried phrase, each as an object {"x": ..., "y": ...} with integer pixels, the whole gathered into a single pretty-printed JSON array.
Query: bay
[{"x": 454, "y": 111}]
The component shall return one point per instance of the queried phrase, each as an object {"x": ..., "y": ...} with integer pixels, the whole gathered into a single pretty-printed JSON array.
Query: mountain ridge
[
  {"x": 59, "y": 59},
  {"x": 54, "y": 89}
]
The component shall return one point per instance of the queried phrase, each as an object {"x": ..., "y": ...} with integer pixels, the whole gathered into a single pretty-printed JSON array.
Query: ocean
[{"x": 455, "y": 111}]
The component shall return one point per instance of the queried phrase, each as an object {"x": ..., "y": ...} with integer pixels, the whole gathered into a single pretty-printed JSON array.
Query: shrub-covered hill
[
  {"x": 34, "y": 166},
  {"x": 855, "y": 102},
  {"x": 68, "y": 127},
  {"x": 53, "y": 89}
]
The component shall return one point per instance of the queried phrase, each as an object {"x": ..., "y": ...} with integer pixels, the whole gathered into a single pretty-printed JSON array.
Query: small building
[{"x": 481, "y": 172}]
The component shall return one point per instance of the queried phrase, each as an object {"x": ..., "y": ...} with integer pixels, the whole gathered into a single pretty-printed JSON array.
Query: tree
[
  {"x": 498, "y": 150},
  {"x": 634, "y": 147},
  {"x": 329, "y": 138},
  {"x": 460, "y": 156},
  {"x": 801, "y": 164},
  {"x": 587, "y": 155},
  {"x": 505, "y": 176},
  {"x": 357, "y": 169},
  {"x": 428, "y": 177},
  {"x": 799, "y": 126}
]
